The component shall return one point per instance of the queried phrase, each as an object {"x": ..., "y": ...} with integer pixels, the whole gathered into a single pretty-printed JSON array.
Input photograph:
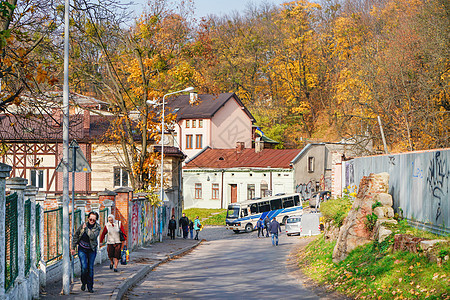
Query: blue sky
[{"x": 217, "y": 7}]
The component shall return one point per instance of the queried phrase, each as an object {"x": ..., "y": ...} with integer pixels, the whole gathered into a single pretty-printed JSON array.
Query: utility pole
[{"x": 66, "y": 246}]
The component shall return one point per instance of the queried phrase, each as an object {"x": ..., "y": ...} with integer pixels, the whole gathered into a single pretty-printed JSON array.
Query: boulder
[
  {"x": 383, "y": 233},
  {"x": 353, "y": 232},
  {"x": 384, "y": 198}
]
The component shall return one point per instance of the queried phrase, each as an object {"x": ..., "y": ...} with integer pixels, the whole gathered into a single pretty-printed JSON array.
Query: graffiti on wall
[
  {"x": 135, "y": 223},
  {"x": 306, "y": 189},
  {"x": 349, "y": 174},
  {"x": 438, "y": 180}
]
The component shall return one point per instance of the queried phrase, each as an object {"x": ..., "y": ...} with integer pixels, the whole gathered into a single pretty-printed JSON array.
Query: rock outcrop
[{"x": 353, "y": 232}]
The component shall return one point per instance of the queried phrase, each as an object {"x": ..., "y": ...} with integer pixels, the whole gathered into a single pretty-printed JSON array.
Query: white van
[{"x": 294, "y": 225}]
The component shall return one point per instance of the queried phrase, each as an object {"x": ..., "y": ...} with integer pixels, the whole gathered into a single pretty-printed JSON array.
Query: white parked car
[{"x": 294, "y": 225}]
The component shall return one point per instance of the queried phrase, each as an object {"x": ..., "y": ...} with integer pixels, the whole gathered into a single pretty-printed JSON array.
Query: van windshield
[{"x": 233, "y": 212}]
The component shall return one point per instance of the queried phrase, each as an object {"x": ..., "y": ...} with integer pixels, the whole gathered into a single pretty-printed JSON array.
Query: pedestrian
[
  {"x": 267, "y": 225},
  {"x": 113, "y": 242},
  {"x": 85, "y": 237},
  {"x": 197, "y": 227},
  {"x": 191, "y": 229},
  {"x": 172, "y": 227},
  {"x": 260, "y": 226},
  {"x": 184, "y": 225},
  {"x": 274, "y": 229}
]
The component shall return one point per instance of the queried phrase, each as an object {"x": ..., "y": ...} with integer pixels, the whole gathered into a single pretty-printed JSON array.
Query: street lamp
[{"x": 150, "y": 102}]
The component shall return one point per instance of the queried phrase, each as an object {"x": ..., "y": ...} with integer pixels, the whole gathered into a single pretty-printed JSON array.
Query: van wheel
[
  {"x": 236, "y": 231},
  {"x": 285, "y": 219},
  {"x": 249, "y": 227}
]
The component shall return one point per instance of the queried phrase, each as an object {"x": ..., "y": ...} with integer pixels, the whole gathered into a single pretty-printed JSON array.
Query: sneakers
[
  {"x": 83, "y": 287},
  {"x": 115, "y": 270},
  {"x": 91, "y": 290},
  {"x": 111, "y": 266}
]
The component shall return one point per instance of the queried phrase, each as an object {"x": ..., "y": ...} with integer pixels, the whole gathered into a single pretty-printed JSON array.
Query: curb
[{"x": 120, "y": 291}]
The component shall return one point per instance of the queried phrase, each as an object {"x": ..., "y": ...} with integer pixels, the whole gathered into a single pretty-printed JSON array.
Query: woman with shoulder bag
[
  {"x": 85, "y": 238},
  {"x": 116, "y": 237},
  {"x": 197, "y": 227}
]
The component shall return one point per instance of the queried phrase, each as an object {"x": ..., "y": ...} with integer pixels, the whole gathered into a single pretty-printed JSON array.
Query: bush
[
  {"x": 371, "y": 221},
  {"x": 336, "y": 210}
]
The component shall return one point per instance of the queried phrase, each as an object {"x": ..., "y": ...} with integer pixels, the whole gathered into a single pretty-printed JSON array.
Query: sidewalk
[{"x": 111, "y": 285}]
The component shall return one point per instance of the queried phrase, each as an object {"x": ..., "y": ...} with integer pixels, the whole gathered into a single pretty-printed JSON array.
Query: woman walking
[
  {"x": 197, "y": 227},
  {"x": 85, "y": 237},
  {"x": 113, "y": 229},
  {"x": 260, "y": 226}
]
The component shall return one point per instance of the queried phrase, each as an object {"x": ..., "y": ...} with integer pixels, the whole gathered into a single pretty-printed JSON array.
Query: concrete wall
[{"x": 419, "y": 184}]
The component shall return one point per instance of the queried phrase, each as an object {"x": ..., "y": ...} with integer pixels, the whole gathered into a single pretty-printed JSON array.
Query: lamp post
[{"x": 189, "y": 89}]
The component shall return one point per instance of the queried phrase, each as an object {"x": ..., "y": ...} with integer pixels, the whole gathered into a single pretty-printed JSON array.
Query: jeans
[
  {"x": 260, "y": 231},
  {"x": 172, "y": 234},
  {"x": 191, "y": 233},
  {"x": 87, "y": 259},
  {"x": 275, "y": 239},
  {"x": 185, "y": 232},
  {"x": 196, "y": 234}
]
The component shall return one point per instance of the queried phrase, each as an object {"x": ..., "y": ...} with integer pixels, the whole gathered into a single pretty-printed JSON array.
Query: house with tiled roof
[
  {"x": 217, "y": 121},
  {"x": 32, "y": 144},
  {"x": 217, "y": 177}
]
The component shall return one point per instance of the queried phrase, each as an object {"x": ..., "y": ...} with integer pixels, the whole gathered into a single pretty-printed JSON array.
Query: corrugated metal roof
[{"x": 247, "y": 158}]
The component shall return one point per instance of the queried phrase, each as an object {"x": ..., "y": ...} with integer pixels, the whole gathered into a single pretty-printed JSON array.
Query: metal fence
[
  {"x": 37, "y": 235},
  {"x": 11, "y": 237},
  {"x": 27, "y": 235},
  {"x": 53, "y": 234}
]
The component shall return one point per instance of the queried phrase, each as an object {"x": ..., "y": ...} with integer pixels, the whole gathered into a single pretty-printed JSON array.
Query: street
[{"x": 227, "y": 266}]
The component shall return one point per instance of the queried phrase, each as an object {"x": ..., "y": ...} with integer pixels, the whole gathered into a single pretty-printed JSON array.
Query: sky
[{"x": 217, "y": 7}]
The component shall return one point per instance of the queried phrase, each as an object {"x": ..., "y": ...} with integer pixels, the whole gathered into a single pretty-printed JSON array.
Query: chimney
[
  {"x": 193, "y": 97},
  {"x": 259, "y": 145},
  {"x": 86, "y": 120},
  {"x": 240, "y": 146}
]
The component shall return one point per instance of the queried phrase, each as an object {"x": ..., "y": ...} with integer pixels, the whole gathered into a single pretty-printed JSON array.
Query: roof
[
  {"x": 205, "y": 107},
  {"x": 247, "y": 158}
]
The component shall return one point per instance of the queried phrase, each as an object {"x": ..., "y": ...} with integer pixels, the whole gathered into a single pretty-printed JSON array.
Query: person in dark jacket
[
  {"x": 191, "y": 229},
  {"x": 267, "y": 225},
  {"x": 85, "y": 237},
  {"x": 275, "y": 228},
  {"x": 184, "y": 225},
  {"x": 172, "y": 227},
  {"x": 260, "y": 226}
]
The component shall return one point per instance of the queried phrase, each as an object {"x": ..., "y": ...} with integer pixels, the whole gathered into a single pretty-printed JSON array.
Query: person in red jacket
[{"x": 113, "y": 241}]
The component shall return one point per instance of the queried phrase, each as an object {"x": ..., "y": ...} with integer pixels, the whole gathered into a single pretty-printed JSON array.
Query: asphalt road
[{"x": 227, "y": 266}]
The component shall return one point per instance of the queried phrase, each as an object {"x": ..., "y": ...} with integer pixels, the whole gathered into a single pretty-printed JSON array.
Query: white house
[{"x": 218, "y": 177}]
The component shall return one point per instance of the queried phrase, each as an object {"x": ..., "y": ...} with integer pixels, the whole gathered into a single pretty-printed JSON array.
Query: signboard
[{"x": 81, "y": 163}]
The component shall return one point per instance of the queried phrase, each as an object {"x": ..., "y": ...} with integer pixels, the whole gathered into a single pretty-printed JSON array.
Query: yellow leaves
[{"x": 41, "y": 74}]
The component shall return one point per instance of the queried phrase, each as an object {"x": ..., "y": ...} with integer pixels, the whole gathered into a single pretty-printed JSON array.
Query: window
[
  {"x": 264, "y": 206},
  {"x": 244, "y": 212},
  {"x": 297, "y": 200},
  {"x": 198, "y": 141},
  {"x": 264, "y": 190},
  {"x": 250, "y": 191},
  {"x": 120, "y": 176},
  {"x": 194, "y": 123},
  {"x": 310, "y": 164},
  {"x": 37, "y": 178},
  {"x": 275, "y": 204},
  {"x": 288, "y": 202},
  {"x": 215, "y": 191},
  {"x": 200, "y": 123},
  {"x": 188, "y": 123},
  {"x": 254, "y": 208},
  {"x": 189, "y": 141},
  {"x": 198, "y": 191}
]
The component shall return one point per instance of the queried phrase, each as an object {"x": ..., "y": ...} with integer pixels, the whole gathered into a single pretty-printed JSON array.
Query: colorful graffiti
[{"x": 306, "y": 189}]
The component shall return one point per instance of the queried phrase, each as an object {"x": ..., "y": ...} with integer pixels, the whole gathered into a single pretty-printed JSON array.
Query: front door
[{"x": 233, "y": 193}]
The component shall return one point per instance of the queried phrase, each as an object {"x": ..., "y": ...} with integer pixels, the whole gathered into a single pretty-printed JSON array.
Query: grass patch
[
  {"x": 372, "y": 271},
  {"x": 191, "y": 213},
  {"x": 336, "y": 210},
  {"x": 218, "y": 219}
]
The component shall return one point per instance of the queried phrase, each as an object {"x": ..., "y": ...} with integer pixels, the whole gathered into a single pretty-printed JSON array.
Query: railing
[
  {"x": 53, "y": 241},
  {"x": 37, "y": 235},
  {"x": 27, "y": 235},
  {"x": 11, "y": 237}
]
